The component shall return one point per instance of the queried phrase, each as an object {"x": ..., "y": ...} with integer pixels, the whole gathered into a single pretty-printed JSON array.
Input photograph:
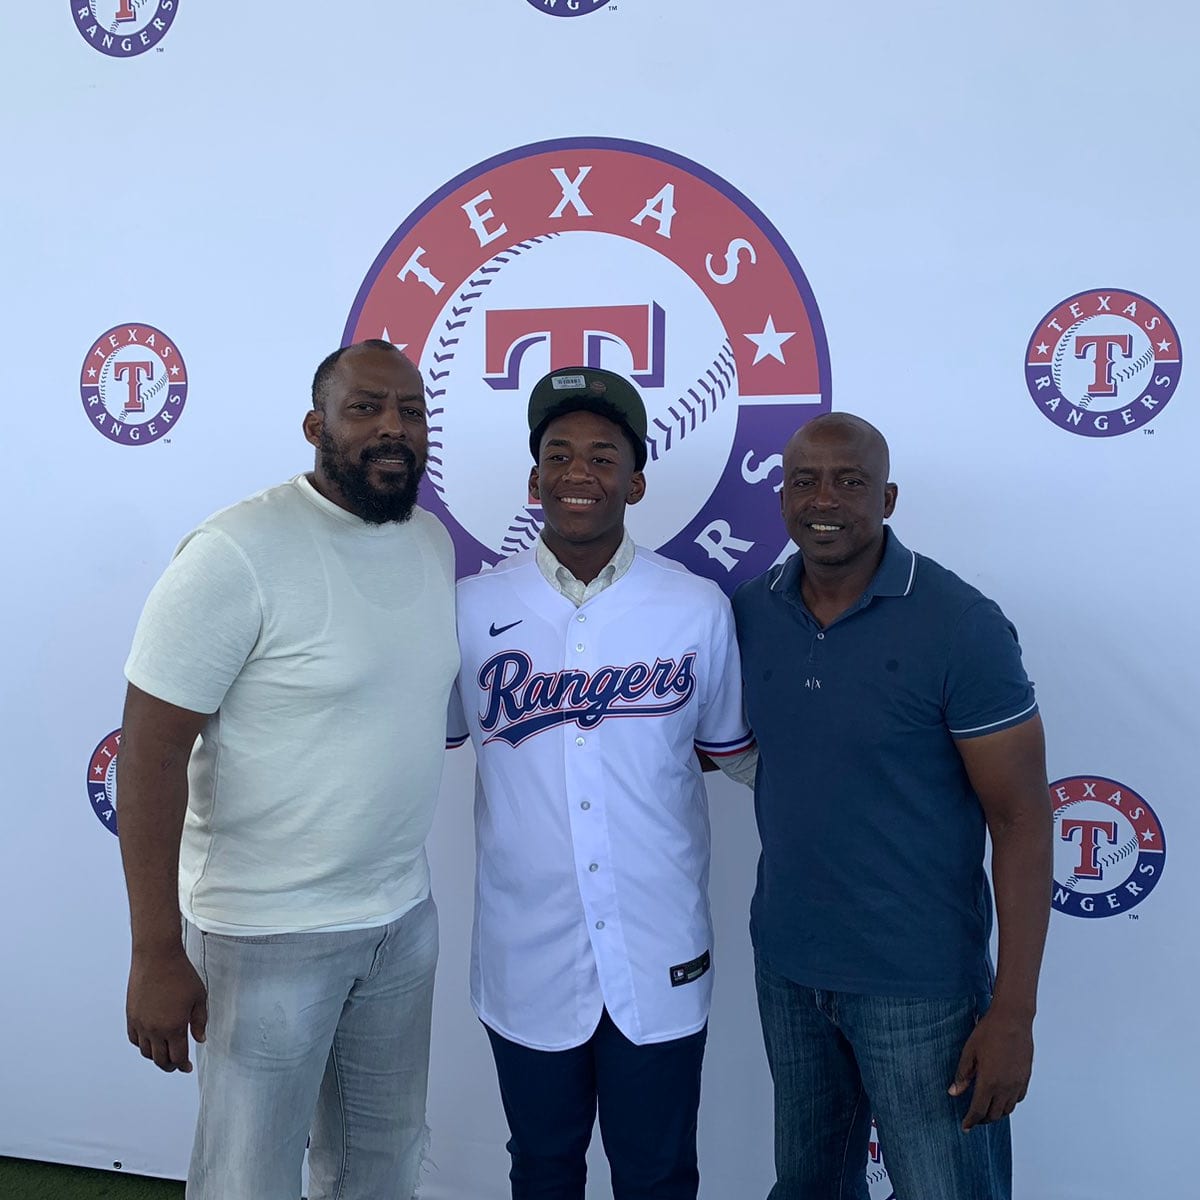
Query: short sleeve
[
  {"x": 200, "y": 624},
  {"x": 456, "y": 719},
  {"x": 722, "y": 727},
  {"x": 987, "y": 689}
]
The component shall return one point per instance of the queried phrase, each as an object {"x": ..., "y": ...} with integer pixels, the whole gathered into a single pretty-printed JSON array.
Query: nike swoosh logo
[{"x": 497, "y": 632}]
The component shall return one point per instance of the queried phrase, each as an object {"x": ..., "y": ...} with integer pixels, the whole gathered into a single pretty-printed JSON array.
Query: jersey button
[
  {"x": 579, "y": 741},
  {"x": 599, "y": 924},
  {"x": 585, "y": 805},
  {"x": 593, "y": 866},
  {"x": 579, "y": 647},
  {"x": 581, "y": 617},
  {"x": 820, "y": 637}
]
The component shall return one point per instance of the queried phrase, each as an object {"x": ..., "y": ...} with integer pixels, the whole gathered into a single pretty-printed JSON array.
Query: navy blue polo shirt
[{"x": 871, "y": 878}]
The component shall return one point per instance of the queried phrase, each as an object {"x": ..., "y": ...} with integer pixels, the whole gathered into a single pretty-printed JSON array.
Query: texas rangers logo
[
  {"x": 611, "y": 254},
  {"x": 568, "y": 8},
  {"x": 102, "y": 779},
  {"x": 1103, "y": 362},
  {"x": 522, "y": 702},
  {"x": 123, "y": 28},
  {"x": 134, "y": 384},
  {"x": 878, "y": 1180},
  {"x": 1109, "y": 850}
]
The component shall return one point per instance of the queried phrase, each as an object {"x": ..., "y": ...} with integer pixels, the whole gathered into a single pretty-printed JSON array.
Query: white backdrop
[{"x": 947, "y": 178}]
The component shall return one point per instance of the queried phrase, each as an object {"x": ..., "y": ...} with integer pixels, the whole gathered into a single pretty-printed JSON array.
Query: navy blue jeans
[
  {"x": 836, "y": 1058},
  {"x": 648, "y": 1097}
]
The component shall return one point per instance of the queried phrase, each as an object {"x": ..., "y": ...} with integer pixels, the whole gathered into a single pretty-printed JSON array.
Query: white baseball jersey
[{"x": 591, "y": 815}]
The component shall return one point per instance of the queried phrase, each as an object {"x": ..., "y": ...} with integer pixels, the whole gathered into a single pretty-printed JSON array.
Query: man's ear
[
  {"x": 314, "y": 423},
  {"x": 637, "y": 488},
  {"x": 535, "y": 496},
  {"x": 890, "y": 492}
]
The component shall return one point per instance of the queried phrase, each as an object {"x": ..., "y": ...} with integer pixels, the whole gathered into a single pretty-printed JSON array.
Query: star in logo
[
  {"x": 387, "y": 337},
  {"x": 769, "y": 343}
]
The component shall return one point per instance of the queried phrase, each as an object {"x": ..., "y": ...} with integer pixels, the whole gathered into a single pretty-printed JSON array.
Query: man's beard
[{"x": 378, "y": 505}]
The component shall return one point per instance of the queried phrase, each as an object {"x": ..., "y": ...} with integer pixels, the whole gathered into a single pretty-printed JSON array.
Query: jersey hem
[{"x": 571, "y": 1045}]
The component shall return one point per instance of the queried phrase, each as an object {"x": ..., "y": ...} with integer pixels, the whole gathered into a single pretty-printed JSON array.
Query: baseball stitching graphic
[{"x": 601, "y": 252}]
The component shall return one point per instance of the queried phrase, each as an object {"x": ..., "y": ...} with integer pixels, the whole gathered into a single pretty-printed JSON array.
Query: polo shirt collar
[
  {"x": 893, "y": 577},
  {"x": 897, "y": 568}
]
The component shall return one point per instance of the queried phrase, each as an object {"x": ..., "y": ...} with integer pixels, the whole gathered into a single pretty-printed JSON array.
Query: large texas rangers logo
[
  {"x": 568, "y": 8},
  {"x": 133, "y": 383},
  {"x": 1109, "y": 846},
  {"x": 102, "y": 779},
  {"x": 606, "y": 253},
  {"x": 1103, "y": 362},
  {"x": 123, "y": 28}
]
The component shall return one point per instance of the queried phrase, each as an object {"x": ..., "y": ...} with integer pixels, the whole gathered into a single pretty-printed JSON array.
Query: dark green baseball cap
[{"x": 589, "y": 383}]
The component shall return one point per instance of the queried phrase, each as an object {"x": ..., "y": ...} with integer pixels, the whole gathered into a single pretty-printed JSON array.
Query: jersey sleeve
[
  {"x": 456, "y": 719},
  {"x": 722, "y": 728},
  {"x": 987, "y": 689},
  {"x": 200, "y": 624}
]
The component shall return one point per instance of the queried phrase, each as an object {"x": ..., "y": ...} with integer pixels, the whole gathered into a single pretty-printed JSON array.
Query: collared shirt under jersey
[
  {"x": 871, "y": 878},
  {"x": 592, "y": 832},
  {"x": 575, "y": 590}
]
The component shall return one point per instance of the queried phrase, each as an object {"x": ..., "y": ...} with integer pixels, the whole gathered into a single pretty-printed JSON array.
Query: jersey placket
[{"x": 588, "y": 803}]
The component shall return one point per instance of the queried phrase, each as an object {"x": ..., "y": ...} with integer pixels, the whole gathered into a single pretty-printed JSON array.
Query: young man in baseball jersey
[{"x": 592, "y": 670}]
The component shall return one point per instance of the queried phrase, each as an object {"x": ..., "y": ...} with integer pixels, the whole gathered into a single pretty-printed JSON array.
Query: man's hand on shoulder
[
  {"x": 165, "y": 999},
  {"x": 998, "y": 1058}
]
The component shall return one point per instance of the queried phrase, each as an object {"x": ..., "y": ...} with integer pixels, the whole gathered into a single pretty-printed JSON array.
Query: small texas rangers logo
[
  {"x": 1103, "y": 362},
  {"x": 878, "y": 1180},
  {"x": 134, "y": 384},
  {"x": 1109, "y": 848},
  {"x": 102, "y": 779},
  {"x": 123, "y": 28},
  {"x": 568, "y": 8},
  {"x": 613, "y": 254}
]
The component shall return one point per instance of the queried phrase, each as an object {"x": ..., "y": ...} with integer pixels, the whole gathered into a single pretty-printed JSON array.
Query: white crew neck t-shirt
[{"x": 324, "y": 646}]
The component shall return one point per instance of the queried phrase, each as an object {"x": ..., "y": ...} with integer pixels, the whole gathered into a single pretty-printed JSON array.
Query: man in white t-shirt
[
  {"x": 281, "y": 754},
  {"x": 592, "y": 670}
]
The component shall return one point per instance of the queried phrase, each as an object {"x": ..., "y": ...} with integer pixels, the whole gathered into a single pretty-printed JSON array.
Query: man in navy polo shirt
[{"x": 896, "y": 726}]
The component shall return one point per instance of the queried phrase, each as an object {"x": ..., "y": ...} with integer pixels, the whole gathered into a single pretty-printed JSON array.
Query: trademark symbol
[
  {"x": 1133, "y": 916},
  {"x": 166, "y": 441},
  {"x": 1148, "y": 432},
  {"x": 158, "y": 49}
]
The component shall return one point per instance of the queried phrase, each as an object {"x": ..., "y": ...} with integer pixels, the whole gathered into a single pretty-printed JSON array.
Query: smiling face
[
  {"x": 585, "y": 477},
  {"x": 371, "y": 434},
  {"x": 835, "y": 491}
]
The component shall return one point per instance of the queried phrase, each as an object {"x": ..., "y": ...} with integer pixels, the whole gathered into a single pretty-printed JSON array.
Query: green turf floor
[{"x": 21, "y": 1180}]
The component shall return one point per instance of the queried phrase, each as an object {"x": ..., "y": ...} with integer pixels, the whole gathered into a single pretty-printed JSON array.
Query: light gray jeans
[{"x": 320, "y": 1032}]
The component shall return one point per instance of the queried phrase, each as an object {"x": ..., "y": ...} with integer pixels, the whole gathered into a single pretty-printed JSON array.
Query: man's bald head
[{"x": 843, "y": 426}]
